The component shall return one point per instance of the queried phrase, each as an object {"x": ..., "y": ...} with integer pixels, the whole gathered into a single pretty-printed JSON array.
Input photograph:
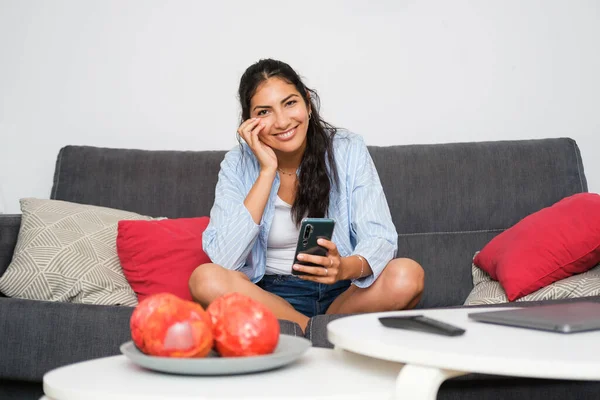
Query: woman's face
[{"x": 284, "y": 114}]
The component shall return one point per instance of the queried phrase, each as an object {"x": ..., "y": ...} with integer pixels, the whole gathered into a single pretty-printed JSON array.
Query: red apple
[
  {"x": 242, "y": 326},
  {"x": 168, "y": 326}
]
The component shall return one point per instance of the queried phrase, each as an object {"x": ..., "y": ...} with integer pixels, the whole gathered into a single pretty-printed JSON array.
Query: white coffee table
[
  {"x": 319, "y": 374},
  {"x": 484, "y": 348}
]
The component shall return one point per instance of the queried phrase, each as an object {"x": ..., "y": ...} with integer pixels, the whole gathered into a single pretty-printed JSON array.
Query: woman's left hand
[{"x": 329, "y": 273}]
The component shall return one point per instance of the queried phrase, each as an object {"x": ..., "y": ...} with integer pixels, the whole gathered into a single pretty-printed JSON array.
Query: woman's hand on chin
[{"x": 249, "y": 131}]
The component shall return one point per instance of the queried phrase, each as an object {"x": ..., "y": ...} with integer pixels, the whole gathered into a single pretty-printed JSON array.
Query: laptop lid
[{"x": 563, "y": 318}]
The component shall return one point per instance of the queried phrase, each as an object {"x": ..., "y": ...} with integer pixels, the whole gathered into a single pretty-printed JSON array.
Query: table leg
[{"x": 418, "y": 382}]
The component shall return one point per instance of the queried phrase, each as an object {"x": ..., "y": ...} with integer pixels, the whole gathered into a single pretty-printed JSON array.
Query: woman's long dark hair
[{"x": 314, "y": 183}]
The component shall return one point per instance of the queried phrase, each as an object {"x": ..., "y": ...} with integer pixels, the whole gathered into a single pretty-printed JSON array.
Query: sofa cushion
[
  {"x": 160, "y": 256},
  {"x": 32, "y": 342},
  {"x": 171, "y": 184},
  {"x": 316, "y": 330},
  {"x": 546, "y": 246},
  {"x": 488, "y": 291},
  {"x": 67, "y": 252}
]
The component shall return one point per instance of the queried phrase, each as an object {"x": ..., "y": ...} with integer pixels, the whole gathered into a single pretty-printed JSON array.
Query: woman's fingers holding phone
[
  {"x": 317, "y": 274},
  {"x": 329, "y": 245},
  {"x": 326, "y": 262},
  {"x": 314, "y": 271},
  {"x": 327, "y": 272}
]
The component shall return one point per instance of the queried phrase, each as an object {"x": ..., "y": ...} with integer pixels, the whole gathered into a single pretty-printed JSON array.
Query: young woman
[{"x": 292, "y": 165}]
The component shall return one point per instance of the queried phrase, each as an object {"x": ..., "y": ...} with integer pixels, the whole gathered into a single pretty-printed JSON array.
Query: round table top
[
  {"x": 484, "y": 348},
  {"x": 318, "y": 374}
]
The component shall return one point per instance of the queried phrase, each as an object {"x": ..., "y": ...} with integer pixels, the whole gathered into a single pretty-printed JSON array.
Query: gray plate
[{"x": 289, "y": 349}]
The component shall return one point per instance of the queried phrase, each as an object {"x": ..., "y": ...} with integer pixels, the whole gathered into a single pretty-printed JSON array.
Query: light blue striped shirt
[{"x": 363, "y": 223}]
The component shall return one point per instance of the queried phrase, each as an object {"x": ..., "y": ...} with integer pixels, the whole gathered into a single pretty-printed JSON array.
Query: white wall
[{"x": 163, "y": 74}]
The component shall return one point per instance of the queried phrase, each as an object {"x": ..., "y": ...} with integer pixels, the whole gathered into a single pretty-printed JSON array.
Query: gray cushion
[
  {"x": 316, "y": 330},
  {"x": 447, "y": 281},
  {"x": 156, "y": 183},
  {"x": 44, "y": 335}
]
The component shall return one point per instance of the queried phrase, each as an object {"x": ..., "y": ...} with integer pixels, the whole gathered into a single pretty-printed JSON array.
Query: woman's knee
[
  {"x": 208, "y": 281},
  {"x": 405, "y": 275}
]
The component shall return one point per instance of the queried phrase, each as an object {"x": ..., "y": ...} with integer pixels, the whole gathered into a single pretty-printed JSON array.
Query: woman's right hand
[{"x": 249, "y": 131}]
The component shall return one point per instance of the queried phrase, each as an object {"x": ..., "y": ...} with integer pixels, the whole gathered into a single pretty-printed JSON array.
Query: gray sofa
[{"x": 447, "y": 202}]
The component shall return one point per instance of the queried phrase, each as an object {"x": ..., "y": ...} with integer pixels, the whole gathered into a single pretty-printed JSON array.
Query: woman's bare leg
[
  {"x": 399, "y": 287},
  {"x": 210, "y": 281}
]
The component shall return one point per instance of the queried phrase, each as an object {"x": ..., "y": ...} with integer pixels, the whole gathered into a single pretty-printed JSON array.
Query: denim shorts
[{"x": 308, "y": 298}]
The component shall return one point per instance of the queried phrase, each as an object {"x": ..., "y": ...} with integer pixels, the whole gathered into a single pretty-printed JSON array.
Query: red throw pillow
[
  {"x": 547, "y": 246},
  {"x": 160, "y": 256}
]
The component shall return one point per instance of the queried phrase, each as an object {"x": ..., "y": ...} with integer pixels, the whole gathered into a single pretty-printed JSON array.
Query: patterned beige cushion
[
  {"x": 487, "y": 291},
  {"x": 67, "y": 252}
]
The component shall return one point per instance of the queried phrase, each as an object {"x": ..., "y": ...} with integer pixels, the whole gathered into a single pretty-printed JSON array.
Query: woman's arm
[
  {"x": 257, "y": 198},
  {"x": 355, "y": 267},
  {"x": 234, "y": 226},
  {"x": 372, "y": 226}
]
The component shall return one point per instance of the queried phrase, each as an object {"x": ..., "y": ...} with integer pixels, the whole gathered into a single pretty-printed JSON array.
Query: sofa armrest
[{"x": 9, "y": 232}]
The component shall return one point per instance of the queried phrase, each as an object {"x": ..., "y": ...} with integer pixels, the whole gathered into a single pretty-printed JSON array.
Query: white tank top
[{"x": 281, "y": 244}]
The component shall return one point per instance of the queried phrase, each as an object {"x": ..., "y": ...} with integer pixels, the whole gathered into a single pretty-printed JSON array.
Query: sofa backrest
[
  {"x": 447, "y": 200},
  {"x": 156, "y": 183}
]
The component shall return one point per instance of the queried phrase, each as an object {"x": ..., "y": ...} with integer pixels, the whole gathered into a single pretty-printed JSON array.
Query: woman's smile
[{"x": 285, "y": 136}]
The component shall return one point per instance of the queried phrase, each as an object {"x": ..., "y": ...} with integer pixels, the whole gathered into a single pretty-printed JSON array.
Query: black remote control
[{"x": 421, "y": 323}]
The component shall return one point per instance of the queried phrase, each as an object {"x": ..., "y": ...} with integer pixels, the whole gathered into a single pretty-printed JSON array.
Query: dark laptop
[{"x": 563, "y": 318}]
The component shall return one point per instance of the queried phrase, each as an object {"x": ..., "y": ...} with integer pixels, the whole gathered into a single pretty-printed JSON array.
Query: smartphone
[
  {"x": 421, "y": 323},
  {"x": 312, "y": 229}
]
